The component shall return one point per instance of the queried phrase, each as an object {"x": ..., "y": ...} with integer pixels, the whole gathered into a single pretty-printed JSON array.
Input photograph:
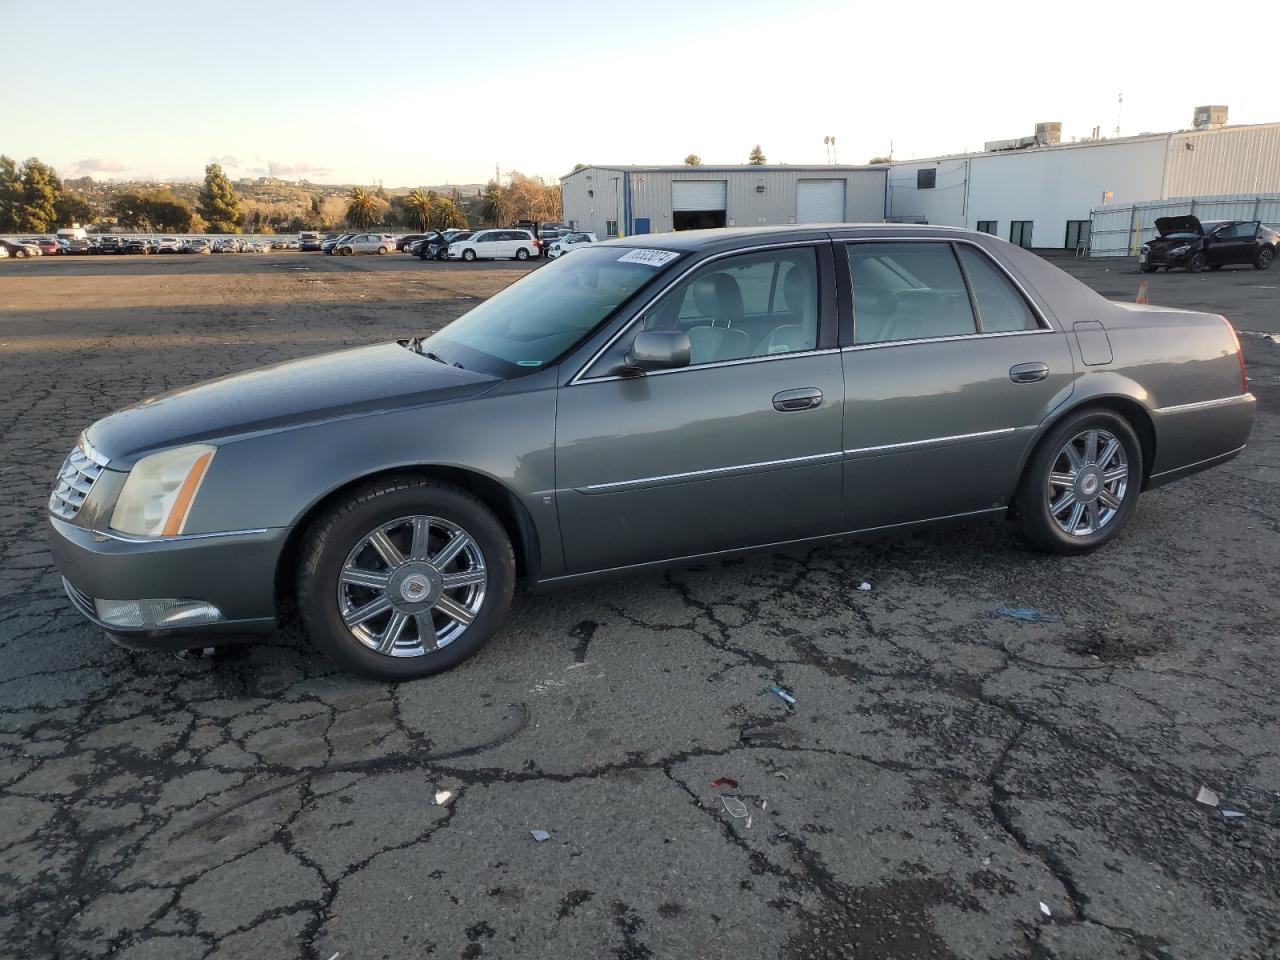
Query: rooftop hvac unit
[
  {"x": 1049, "y": 132},
  {"x": 1207, "y": 118}
]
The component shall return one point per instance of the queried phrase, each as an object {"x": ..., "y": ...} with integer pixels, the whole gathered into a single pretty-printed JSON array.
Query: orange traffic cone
[{"x": 1142, "y": 293}]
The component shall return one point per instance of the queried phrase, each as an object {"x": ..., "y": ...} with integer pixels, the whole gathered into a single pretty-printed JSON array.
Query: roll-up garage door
[
  {"x": 699, "y": 195},
  {"x": 820, "y": 201}
]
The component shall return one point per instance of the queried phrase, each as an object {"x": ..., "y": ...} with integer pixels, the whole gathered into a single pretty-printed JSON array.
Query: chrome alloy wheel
[
  {"x": 412, "y": 586},
  {"x": 1087, "y": 482}
]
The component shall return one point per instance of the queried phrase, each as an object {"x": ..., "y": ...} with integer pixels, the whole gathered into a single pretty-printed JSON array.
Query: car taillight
[{"x": 1235, "y": 338}]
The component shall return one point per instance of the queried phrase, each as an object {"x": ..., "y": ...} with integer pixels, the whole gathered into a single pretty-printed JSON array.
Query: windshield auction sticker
[{"x": 650, "y": 258}]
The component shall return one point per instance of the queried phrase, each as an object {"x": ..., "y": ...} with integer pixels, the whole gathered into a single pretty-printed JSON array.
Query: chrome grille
[{"x": 76, "y": 478}]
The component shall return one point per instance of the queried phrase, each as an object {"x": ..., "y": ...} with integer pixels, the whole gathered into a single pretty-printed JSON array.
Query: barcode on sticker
[{"x": 652, "y": 258}]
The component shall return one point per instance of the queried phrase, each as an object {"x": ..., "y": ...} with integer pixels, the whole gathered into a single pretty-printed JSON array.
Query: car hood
[
  {"x": 348, "y": 383},
  {"x": 1187, "y": 224}
]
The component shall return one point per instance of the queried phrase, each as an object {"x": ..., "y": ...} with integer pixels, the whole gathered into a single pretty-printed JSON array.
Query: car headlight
[
  {"x": 1179, "y": 251},
  {"x": 1146, "y": 248},
  {"x": 160, "y": 490}
]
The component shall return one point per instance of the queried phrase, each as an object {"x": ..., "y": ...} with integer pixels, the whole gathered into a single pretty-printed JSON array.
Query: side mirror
[{"x": 658, "y": 350}]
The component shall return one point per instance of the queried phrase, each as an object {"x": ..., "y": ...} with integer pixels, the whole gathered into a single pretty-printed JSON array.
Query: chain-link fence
[{"x": 1121, "y": 230}]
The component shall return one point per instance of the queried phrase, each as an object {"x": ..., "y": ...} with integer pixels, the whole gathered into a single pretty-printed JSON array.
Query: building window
[
  {"x": 1077, "y": 235},
  {"x": 1020, "y": 232},
  {"x": 611, "y": 228},
  {"x": 988, "y": 226},
  {"x": 926, "y": 178}
]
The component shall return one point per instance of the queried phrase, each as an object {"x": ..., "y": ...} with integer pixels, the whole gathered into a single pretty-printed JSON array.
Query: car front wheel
[
  {"x": 1081, "y": 484},
  {"x": 405, "y": 578},
  {"x": 1196, "y": 263},
  {"x": 468, "y": 255},
  {"x": 382, "y": 251},
  {"x": 1264, "y": 259}
]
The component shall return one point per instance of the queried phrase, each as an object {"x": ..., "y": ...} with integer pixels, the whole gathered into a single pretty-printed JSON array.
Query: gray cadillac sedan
[{"x": 646, "y": 401}]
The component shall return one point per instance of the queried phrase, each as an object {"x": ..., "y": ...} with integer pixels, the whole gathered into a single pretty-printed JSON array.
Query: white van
[
  {"x": 73, "y": 233},
  {"x": 495, "y": 245}
]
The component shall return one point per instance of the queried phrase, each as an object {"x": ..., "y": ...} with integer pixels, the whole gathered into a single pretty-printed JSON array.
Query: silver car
[{"x": 644, "y": 402}]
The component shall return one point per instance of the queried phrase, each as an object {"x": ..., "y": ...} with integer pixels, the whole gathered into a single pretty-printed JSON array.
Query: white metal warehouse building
[
  {"x": 1042, "y": 194},
  {"x": 612, "y": 201}
]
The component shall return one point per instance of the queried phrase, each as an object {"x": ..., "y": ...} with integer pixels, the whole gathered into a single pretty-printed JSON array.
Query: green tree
[
  {"x": 693, "y": 160},
  {"x": 75, "y": 208},
  {"x": 362, "y": 208},
  {"x": 41, "y": 191},
  {"x": 757, "y": 158},
  {"x": 880, "y": 160},
  {"x": 579, "y": 166},
  {"x": 445, "y": 214},
  {"x": 218, "y": 203},
  {"x": 10, "y": 194},
  {"x": 420, "y": 204},
  {"x": 495, "y": 203}
]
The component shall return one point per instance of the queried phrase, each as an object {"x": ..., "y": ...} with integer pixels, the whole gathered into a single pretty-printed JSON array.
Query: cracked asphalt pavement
[{"x": 950, "y": 783}]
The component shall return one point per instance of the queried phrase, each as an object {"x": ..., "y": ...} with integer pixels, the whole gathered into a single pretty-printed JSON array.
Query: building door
[
  {"x": 820, "y": 201},
  {"x": 642, "y": 225},
  {"x": 1020, "y": 232},
  {"x": 699, "y": 204},
  {"x": 1077, "y": 235}
]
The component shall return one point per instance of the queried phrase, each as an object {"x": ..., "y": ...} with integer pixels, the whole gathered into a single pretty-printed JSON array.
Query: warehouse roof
[
  {"x": 730, "y": 168},
  {"x": 1078, "y": 144}
]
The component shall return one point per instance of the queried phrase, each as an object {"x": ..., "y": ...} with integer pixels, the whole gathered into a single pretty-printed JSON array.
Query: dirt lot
[{"x": 951, "y": 782}]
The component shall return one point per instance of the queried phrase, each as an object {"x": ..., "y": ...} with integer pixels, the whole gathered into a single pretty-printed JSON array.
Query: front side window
[
  {"x": 750, "y": 305},
  {"x": 538, "y": 318},
  {"x": 1243, "y": 231},
  {"x": 908, "y": 291}
]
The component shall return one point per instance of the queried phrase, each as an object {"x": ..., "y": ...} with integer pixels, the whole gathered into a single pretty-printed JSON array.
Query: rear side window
[
  {"x": 1001, "y": 308},
  {"x": 908, "y": 291}
]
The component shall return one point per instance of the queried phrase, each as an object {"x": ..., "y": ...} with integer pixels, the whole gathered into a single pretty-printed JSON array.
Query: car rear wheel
[
  {"x": 405, "y": 578},
  {"x": 522, "y": 254},
  {"x": 1264, "y": 259},
  {"x": 1215, "y": 266},
  {"x": 1081, "y": 484},
  {"x": 382, "y": 251},
  {"x": 1195, "y": 263},
  {"x": 468, "y": 255},
  {"x": 20, "y": 253},
  {"x": 347, "y": 251},
  {"x": 1149, "y": 268}
]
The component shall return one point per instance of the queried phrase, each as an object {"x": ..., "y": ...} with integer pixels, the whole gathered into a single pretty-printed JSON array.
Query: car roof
[{"x": 730, "y": 237}]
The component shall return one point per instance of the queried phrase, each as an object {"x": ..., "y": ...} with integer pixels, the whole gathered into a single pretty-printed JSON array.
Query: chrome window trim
[
  {"x": 1045, "y": 325},
  {"x": 1202, "y": 404},
  {"x": 580, "y": 376},
  {"x": 956, "y": 336},
  {"x": 1198, "y": 463},
  {"x": 713, "y": 365},
  {"x": 934, "y": 441},
  {"x": 735, "y": 470}
]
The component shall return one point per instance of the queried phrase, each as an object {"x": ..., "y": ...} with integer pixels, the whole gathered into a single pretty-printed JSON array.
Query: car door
[
  {"x": 487, "y": 244},
  {"x": 740, "y": 448},
  {"x": 949, "y": 372},
  {"x": 1242, "y": 238}
]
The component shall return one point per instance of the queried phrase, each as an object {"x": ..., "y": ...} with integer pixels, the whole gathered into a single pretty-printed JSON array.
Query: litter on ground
[
  {"x": 1207, "y": 797},
  {"x": 1044, "y": 908},
  {"x": 783, "y": 694},
  {"x": 1232, "y": 813},
  {"x": 1030, "y": 614},
  {"x": 864, "y": 586},
  {"x": 736, "y": 809},
  {"x": 540, "y": 835},
  {"x": 442, "y": 797},
  {"x": 724, "y": 782}
]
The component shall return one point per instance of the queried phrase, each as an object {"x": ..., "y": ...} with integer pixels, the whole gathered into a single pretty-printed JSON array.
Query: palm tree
[
  {"x": 496, "y": 203},
  {"x": 420, "y": 205},
  {"x": 445, "y": 214},
  {"x": 362, "y": 208}
]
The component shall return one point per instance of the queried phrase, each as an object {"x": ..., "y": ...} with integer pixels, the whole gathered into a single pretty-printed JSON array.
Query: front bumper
[
  {"x": 1162, "y": 258},
  {"x": 233, "y": 572}
]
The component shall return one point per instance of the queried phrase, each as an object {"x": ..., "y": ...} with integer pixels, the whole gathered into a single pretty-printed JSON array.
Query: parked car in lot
[
  {"x": 379, "y": 243},
  {"x": 140, "y": 245},
  {"x": 111, "y": 243},
  {"x": 1186, "y": 242},
  {"x": 279, "y": 243},
  {"x": 331, "y": 242},
  {"x": 226, "y": 245},
  {"x": 495, "y": 245},
  {"x": 436, "y": 246},
  {"x": 403, "y": 242},
  {"x": 168, "y": 245},
  {"x": 644, "y": 402},
  {"x": 197, "y": 245},
  {"x": 80, "y": 245},
  {"x": 20, "y": 249},
  {"x": 570, "y": 241},
  {"x": 309, "y": 240},
  {"x": 260, "y": 246},
  {"x": 4, "y": 252},
  {"x": 46, "y": 245}
]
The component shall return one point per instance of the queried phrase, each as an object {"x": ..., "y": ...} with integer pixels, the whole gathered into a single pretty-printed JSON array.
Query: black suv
[{"x": 1186, "y": 242}]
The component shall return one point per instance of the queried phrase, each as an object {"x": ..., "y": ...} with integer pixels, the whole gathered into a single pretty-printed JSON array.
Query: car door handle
[
  {"x": 1028, "y": 372},
  {"x": 801, "y": 398}
]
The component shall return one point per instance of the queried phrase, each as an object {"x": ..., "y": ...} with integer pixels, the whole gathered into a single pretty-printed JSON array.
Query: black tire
[
  {"x": 1215, "y": 267},
  {"x": 1149, "y": 268},
  {"x": 382, "y": 251},
  {"x": 347, "y": 251},
  {"x": 20, "y": 253},
  {"x": 443, "y": 254},
  {"x": 1195, "y": 263},
  {"x": 522, "y": 254},
  {"x": 332, "y": 537},
  {"x": 469, "y": 256},
  {"x": 1266, "y": 256},
  {"x": 1031, "y": 504}
]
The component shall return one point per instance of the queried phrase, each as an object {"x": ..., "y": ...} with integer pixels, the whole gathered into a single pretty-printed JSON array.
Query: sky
[{"x": 425, "y": 93}]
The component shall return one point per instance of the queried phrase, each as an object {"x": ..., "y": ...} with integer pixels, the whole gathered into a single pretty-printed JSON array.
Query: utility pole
[{"x": 1119, "y": 111}]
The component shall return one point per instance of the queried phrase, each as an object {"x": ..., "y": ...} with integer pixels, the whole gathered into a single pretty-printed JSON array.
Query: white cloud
[{"x": 98, "y": 165}]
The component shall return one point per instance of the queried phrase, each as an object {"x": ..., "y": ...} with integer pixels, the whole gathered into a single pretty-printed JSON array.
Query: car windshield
[{"x": 535, "y": 320}]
